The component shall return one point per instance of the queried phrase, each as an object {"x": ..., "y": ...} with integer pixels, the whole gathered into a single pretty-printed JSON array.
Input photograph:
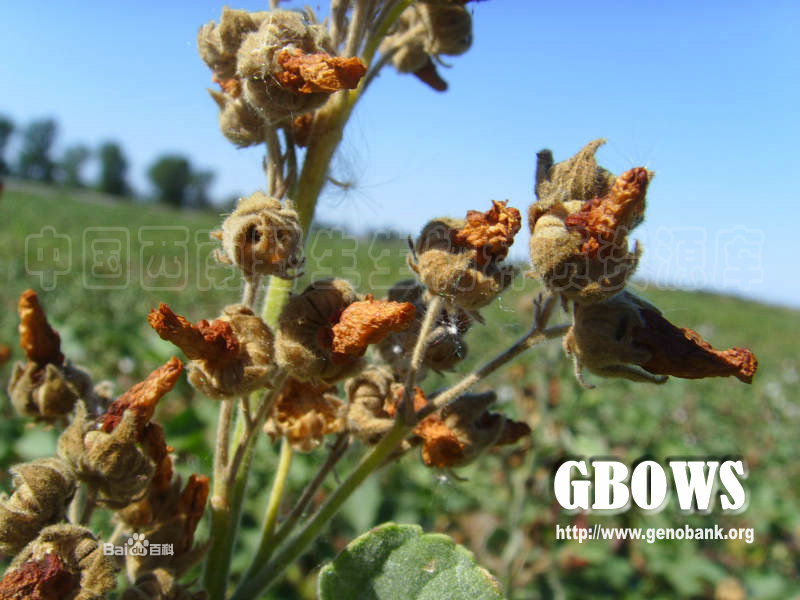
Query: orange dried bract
[
  {"x": 606, "y": 221},
  {"x": 683, "y": 353},
  {"x": 43, "y": 579},
  {"x": 231, "y": 86},
  {"x": 369, "y": 322},
  {"x": 143, "y": 397},
  {"x": 214, "y": 342},
  {"x": 41, "y": 343},
  {"x": 319, "y": 72},
  {"x": 191, "y": 505},
  {"x": 491, "y": 233}
]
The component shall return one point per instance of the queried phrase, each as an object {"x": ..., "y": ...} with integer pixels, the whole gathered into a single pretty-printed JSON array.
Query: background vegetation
[{"x": 504, "y": 511}]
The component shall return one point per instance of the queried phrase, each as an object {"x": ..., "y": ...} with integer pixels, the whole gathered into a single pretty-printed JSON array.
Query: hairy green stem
[
  {"x": 276, "y": 494},
  {"x": 267, "y": 545},
  {"x": 268, "y": 573}
]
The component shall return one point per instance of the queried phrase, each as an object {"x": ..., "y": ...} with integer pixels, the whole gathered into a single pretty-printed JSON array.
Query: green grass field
[{"x": 99, "y": 267}]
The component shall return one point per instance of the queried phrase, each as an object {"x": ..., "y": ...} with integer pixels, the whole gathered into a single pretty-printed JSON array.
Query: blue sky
[{"x": 706, "y": 94}]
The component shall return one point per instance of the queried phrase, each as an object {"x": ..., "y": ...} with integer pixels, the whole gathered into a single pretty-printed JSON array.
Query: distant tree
[
  {"x": 113, "y": 167},
  {"x": 34, "y": 157},
  {"x": 171, "y": 175},
  {"x": 6, "y": 129},
  {"x": 72, "y": 163},
  {"x": 197, "y": 191}
]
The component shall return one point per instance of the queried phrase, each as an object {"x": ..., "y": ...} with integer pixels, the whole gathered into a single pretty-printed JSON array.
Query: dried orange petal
[
  {"x": 319, "y": 72},
  {"x": 143, "y": 397},
  {"x": 607, "y": 220},
  {"x": 491, "y": 233},
  {"x": 214, "y": 342},
  {"x": 41, "y": 343},
  {"x": 369, "y": 322}
]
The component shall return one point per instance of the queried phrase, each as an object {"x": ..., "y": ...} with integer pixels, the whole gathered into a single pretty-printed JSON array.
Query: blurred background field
[{"x": 99, "y": 267}]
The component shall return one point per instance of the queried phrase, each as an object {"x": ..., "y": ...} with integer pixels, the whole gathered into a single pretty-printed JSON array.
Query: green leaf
[{"x": 399, "y": 562}]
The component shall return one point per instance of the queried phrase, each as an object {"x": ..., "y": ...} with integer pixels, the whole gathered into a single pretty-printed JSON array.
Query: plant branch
[
  {"x": 543, "y": 309},
  {"x": 267, "y": 573},
  {"x": 267, "y": 545},
  {"x": 431, "y": 313}
]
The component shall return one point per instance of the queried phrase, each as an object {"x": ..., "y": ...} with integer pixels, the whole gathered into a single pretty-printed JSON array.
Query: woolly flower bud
[
  {"x": 65, "y": 561},
  {"x": 369, "y": 395},
  {"x": 425, "y": 30},
  {"x": 324, "y": 331},
  {"x": 304, "y": 413},
  {"x": 286, "y": 67},
  {"x": 230, "y": 356},
  {"x": 218, "y": 44},
  {"x": 461, "y": 260},
  {"x": 580, "y": 225},
  {"x": 160, "y": 584},
  {"x": 464, "y": 430},
  {"x": 624, "y": 336},
  {"x": 113, "y": 464},
  {"x": 446, "y": 346},
  {"x": 47, "y": 393},
  {"x": 238, "y": 121},
  {"x": 262, "y": 237},
  {"x": 42, "y": 491}
]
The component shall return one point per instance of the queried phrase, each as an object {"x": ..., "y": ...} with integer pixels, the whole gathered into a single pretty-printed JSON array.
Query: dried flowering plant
[{"x": 328, "y": 360}]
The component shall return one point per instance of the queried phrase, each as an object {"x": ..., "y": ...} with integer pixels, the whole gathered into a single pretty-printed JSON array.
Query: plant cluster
[{"x": 328, "y": 360}]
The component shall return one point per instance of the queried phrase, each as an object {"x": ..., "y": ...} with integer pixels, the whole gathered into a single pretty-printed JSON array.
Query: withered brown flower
[
  {"x": 230, "y": 356},
  {"x": 580, "y": 226},
  {"x": 304, "y": 338},
  {"x": 304, "y": 413},
  {"x": 47, "y": 387},
  {"x": 463, "y": 430},
  {"x": 462, "y": 260},
  {"x": 625, "y": 336}
]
